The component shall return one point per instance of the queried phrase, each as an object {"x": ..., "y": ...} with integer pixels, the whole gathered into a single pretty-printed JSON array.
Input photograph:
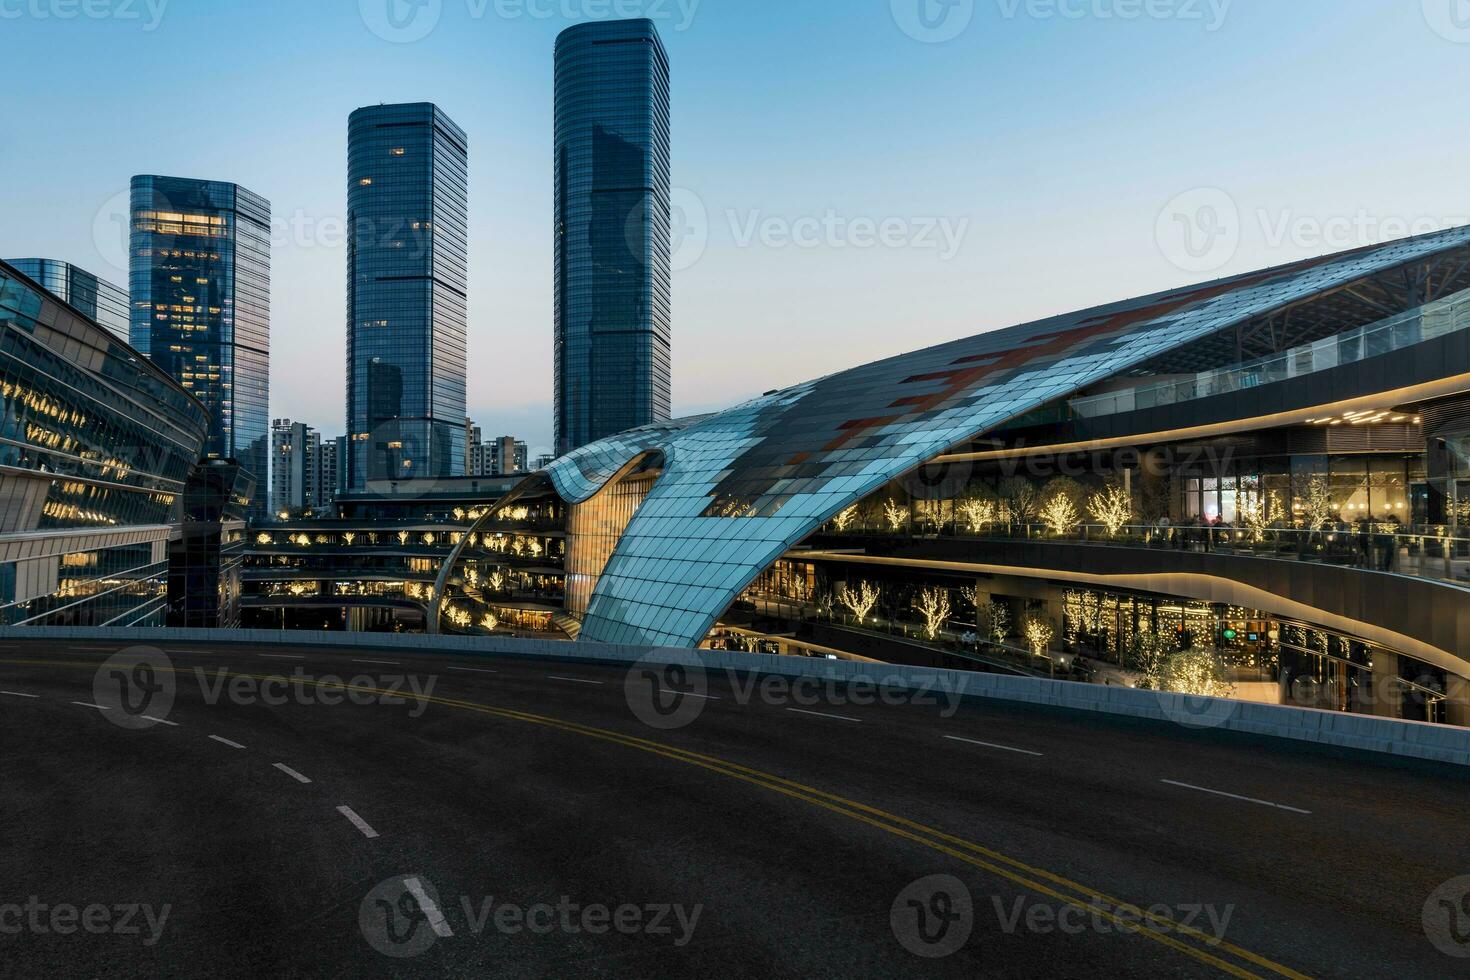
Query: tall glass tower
[
  {"x": 97, "y": 298},
  {"x": 612, "y": 278},
  {"x": 200, "y": 279},
  {"x": 406, "y": 293}
]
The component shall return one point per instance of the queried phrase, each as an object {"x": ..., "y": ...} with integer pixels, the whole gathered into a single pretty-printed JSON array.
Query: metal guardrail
[
  {"x": 1382, "y": 337},
  {"x": 1427, "y": 553}
]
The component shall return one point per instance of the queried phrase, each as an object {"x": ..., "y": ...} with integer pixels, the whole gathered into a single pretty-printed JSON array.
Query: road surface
[{"x": 190, "y": 812}]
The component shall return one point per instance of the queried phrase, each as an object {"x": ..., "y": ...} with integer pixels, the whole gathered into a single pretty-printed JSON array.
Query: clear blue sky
[{"x": 1048, "y": 137}]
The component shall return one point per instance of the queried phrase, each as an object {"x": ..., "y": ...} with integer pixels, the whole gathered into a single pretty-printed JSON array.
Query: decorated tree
[
  {"x": 1038, "y": 633},
  {"x": 1112, "y": 508},
  {"x": 1197, "y": 672},
  {"x": 1059, "y": 515},
  {"x": 1317, "y": 503},
  {"x": 1258, "y": 511},
  {"x": 933, "y": 605},
  {"x": 976, "y": 514},
  {"x": 896, "y": 515},
  {"x": 997, "y": 621},
  {"x": 860, "y": 600}
]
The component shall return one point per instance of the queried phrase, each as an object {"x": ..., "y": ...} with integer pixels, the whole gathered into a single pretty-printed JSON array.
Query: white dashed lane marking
[
  {"x": 823, "y": 714},
  {"x": 89, "y": 704},
  {"x": 161, "y": 721},
  {"x": 1233, "y": 796},
  {"x": 385, "y": 663},
  {"x": 431, "y": 911},
  {"x": 574, "y": 680},
  {"x": 292, "y": 773},
  {"x": 991, "y": 745},
  {"x": 358, "y": 822},
  {"x": 476, "y": 670},
  {"x": 225, "y": 741},
  {"x": 17, "y": 694},
  {"x": 281, "y": 656}
]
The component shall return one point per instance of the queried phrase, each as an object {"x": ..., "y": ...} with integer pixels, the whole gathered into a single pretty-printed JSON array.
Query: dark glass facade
[
  {"x": 612, "y": 276},
  {"x": 205, "y": 559},
  {"x": 200, "y": 284},
  {"x": 95, "y": 447},
  {"x": 406, "y": 293},
  {"x": 97, "y": 298}
]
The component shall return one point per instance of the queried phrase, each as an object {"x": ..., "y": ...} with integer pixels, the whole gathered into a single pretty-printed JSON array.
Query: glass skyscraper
[
  {"x": 406, "y": 293},
  {"x": 200, "y": 282},
  {"x": 95, "y": 297},
  {"x": 612, "y": 277}
]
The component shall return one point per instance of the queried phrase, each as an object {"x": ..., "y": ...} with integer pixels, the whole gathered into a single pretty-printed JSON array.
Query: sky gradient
[{"x": 851, "y": 181}]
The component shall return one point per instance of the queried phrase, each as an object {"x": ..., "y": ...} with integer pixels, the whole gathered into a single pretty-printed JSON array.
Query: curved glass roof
[
  {"x": 741, "y": 487},
  {"x": 579, "y": 474}
]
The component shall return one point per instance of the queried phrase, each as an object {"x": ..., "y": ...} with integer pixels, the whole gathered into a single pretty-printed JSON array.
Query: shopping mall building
[
  {"x": 1255, "y": 487},
  {"x": 110, "y": 513}
]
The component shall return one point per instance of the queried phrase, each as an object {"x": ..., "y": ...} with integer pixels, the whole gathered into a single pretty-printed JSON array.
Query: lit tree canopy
[
  {"x": 860, "y": 600},
  {"x": 933, "y": 605}
]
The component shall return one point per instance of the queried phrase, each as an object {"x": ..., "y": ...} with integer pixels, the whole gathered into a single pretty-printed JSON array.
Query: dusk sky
[{"x": 850, "y": 182}]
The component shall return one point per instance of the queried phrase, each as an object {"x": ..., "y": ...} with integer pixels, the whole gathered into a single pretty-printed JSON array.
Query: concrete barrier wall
[{"x": 1409, "y": 739}]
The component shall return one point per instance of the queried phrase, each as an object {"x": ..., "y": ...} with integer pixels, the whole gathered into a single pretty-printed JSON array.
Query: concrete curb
[{"x": 1405, "y": 739}]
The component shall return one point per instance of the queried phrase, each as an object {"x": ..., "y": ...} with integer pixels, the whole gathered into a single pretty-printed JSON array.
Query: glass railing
[
  {"x": 1436, "y": 319},
  {"x": 1432, "y": 552}
]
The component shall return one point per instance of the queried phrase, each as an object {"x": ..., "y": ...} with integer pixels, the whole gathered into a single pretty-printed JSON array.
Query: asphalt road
[{"x": 518, "y": 818}]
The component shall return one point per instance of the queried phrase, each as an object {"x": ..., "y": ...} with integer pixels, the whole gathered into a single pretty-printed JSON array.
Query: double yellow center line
[{"x": 1151, "y": 925}]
